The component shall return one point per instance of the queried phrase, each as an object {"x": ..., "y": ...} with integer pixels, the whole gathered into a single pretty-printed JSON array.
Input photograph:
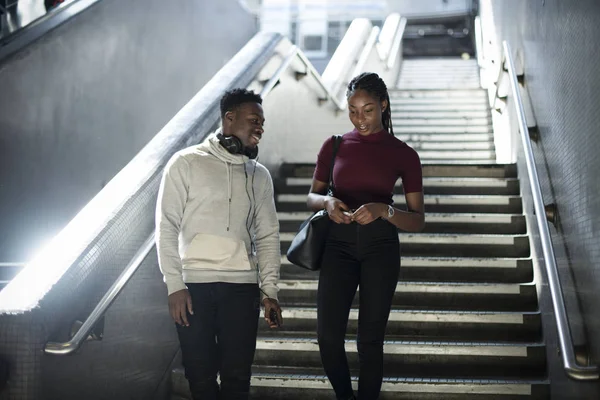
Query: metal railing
[
  {"x": 479, "y": 41},
  {"x": 69, "y": 347},
  {"x": 42, "y": 25},
  {"x": 336, "y": 74},
  {"x": 64, "y": 348},
  {"x": 396, "y": 45},
  {"x": 82, "y": 334},
  {"x": 12, "y": 264},
  {"x": 571, "y": 366},
  {"x": 296, "y": 53}
]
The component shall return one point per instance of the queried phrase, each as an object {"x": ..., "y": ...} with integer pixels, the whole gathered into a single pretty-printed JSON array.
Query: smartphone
[{"x": 273, "y": 317}]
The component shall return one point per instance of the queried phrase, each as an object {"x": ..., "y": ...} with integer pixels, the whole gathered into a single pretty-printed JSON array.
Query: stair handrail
[
  {"x": 296, "y": 53},
  {"x": 348, "y": 53},
  {"x": 573, "y": 369},
  {"x": 37, "y": 28},
  {"x": 12, "y": 264},
  {"x": 82, "y": 334},
  {"x": 69, "y": 347},
  {"x": 391, "y": 61},
  {"x": 72, "y": 345}
]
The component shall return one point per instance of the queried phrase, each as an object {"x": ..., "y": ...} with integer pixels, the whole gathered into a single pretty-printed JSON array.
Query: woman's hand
[
  {"x": 335, "y": 209},
  {"x": 369, "y": 213}
]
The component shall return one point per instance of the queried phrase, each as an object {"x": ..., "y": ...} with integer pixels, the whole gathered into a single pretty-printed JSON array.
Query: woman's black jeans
[
  {"x": 368, "y": 257},
  {"x": 221, "y": 339}
]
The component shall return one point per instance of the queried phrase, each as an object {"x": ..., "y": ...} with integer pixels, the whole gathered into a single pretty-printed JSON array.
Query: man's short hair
[{"x": 235, "y": 97}]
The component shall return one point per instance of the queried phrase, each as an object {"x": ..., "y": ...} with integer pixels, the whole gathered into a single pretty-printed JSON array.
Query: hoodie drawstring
[{"x": 229, "y": 189}]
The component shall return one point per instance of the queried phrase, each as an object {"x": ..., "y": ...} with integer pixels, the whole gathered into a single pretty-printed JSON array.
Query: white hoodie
[{"x": 204, "y": 215}]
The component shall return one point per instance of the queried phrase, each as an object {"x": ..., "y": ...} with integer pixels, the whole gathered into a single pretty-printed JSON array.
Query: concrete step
[
  {"x": 440, "y": 170},
  {"x": 424, "y": 79},
  {"x": 441, "y": 65},
  {"x": 397, "y": 121},
  {"x": 399, "y": 130},
  {"x": 463, "y": 102},
  {"x": 315, "y": 387},
  {"x": 445, "y": 138},
  {"x": 474, "y": 161},
  {"x": 431, "y": 185},
  {"x": 425, "y": 73},
  {"x": 442, "y": 62},
  {"x": 417, "y": 81},
  {"x": 437, "y": 223},
  {"x": 433, "y": 203},
  {"x": 435, "y": 94},
  {"x": 439, "y": 325},
  {"x": 270, "y": 383},
  {"x": 416, "y": 359},
  {"x": 463, "y": 106},
  {"x": 451, "y": 146},
  {"x": 452, "y": 245},
  {"x": 441, "y": 114},
  {"x": 443, "y": 269},
  {"x": 425, "y": 105},
  {"x": 441, "y": 155},
  {"x": 430, "y": 295}
]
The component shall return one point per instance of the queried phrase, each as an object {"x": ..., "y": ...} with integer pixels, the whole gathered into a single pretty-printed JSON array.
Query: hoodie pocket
[{"x": 212, "y": 252}]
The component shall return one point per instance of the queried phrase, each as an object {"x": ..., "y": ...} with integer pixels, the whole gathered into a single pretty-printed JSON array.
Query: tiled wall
[
  {"x": 78, "y": 104},
  {"x": 558, "y": 42}
]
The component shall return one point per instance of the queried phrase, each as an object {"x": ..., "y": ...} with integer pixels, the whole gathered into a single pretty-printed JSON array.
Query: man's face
[{"x": 246, "y": 123}]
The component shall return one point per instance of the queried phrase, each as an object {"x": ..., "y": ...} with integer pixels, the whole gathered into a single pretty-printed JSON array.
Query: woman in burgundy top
[{"x": 362, "y": 248}]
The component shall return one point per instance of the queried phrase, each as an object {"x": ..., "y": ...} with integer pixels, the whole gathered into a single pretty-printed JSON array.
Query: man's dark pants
[{"x": 221, "y": 339}]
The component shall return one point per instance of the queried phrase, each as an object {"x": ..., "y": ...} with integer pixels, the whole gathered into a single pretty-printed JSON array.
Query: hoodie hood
[{"x": 211, "y": 145}]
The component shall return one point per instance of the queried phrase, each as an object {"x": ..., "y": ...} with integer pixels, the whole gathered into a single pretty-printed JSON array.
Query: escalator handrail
[
  {"x": 64, "y": 348},
  {"x": 573, "y": 369}
]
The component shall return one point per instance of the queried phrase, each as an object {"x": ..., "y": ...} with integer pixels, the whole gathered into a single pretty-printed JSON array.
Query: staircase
[{"x": 465, "y": 322}]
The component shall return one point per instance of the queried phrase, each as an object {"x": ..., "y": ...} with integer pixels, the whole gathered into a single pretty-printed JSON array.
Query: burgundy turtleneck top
[{"x": 367, "y": 167}]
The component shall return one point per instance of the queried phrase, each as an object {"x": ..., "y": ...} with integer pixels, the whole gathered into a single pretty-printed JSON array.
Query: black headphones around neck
[{"x": 235, "y": 146}]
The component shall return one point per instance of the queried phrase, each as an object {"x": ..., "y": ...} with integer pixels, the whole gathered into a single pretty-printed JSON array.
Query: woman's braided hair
[{"x": 374, "y": 85}]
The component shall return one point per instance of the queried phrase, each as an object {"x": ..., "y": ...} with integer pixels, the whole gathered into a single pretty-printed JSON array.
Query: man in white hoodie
[{"x": 217, "y": 238}]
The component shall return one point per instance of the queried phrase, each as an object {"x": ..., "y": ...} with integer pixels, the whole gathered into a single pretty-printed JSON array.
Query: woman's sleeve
[
  {"x": 324, "y": 161},
  {"x": 412, "y": 173}
]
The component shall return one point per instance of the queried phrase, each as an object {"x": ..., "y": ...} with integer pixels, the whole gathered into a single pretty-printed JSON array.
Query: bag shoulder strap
[{"x": 337, "y": 139}]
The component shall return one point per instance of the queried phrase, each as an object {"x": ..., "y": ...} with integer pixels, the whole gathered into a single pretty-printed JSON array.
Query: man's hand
[
  {"x": 179, "y": 302},
  {"x": 272, "y": 305}
]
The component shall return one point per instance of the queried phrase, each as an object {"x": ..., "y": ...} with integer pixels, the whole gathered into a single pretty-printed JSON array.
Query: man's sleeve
[
  {"x": 172, "y": 197},
  {"x": 267, "y": 241}
]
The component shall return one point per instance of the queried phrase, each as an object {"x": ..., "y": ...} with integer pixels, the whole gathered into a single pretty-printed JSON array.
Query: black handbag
[{"x": 306, "y": 249}]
